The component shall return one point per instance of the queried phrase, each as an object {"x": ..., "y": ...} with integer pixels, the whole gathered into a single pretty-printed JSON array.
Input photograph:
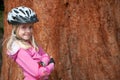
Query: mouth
[{"x": 27, "y": 34}]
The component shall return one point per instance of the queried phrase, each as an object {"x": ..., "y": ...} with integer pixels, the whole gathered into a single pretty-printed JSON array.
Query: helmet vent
[
  {"x": 22, "y": 11},
  {"x": 13, "y": 17},
  {"x": 27, "y": 13},
  {"x": 16, "y": 11},
  {"x": 30, "y": 11}
]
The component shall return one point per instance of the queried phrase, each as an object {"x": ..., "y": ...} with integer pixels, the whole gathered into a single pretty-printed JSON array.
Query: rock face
[{"x": 83, "y": 36}]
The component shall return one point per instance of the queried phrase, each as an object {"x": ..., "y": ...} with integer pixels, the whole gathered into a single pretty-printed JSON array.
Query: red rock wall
[{"x": 82, "y": 36}]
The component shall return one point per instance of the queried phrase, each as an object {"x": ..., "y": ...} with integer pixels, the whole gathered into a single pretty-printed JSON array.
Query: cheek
[
  {"x": 19, "y": 32},
  {"x": 31, "y": 31}
]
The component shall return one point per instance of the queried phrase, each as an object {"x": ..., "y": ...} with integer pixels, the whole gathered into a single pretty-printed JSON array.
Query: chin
[{"x": 27, "y": 39}]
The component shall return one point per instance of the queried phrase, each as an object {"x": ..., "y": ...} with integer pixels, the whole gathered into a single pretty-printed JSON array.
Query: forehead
[{"x": 27, "y": 24}]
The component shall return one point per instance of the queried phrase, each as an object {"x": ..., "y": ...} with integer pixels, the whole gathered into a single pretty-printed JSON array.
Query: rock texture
[{"x": 82, "y": 35}]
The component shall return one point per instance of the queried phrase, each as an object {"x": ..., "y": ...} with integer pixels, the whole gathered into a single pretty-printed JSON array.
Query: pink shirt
[{"x": 29, "y": 60}]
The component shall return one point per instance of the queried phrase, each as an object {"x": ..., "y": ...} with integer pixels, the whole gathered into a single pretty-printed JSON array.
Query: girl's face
[{"x": 24, "y": 31}]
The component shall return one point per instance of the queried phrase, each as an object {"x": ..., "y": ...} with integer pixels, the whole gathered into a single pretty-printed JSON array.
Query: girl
[{"x": 21, "y": 47}]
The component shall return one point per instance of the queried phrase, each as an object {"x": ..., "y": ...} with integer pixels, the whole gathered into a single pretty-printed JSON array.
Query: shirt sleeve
[
  {"x": 45, "y": 57},
  {"x": 29, "y": 65},
  {"x": 41, "y": 51}
]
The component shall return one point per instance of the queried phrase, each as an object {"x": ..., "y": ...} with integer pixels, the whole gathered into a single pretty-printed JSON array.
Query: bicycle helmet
[{"x": 20, "y": 15}]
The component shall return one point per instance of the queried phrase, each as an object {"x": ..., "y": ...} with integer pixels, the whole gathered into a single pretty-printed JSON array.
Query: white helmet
[{"x": 21, "y": 15}]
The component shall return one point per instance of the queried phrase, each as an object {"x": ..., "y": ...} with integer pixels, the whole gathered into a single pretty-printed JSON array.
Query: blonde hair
[{"x": 22, "y": 44}]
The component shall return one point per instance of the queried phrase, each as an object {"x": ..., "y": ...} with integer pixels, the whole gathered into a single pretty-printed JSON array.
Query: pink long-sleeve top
[{"x": 28, "y": 60}]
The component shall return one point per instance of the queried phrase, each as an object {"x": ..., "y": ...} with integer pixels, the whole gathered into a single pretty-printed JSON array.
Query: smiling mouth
[{"x": 27, "y": 34}]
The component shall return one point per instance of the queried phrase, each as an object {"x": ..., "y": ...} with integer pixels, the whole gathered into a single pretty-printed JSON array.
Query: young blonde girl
[{"x": 21, "y": 46}]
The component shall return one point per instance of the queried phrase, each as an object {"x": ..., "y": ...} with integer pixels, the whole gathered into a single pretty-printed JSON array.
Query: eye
[
  {"x": 23, "y": 27},
  {"x": 30, "y": 27}
]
